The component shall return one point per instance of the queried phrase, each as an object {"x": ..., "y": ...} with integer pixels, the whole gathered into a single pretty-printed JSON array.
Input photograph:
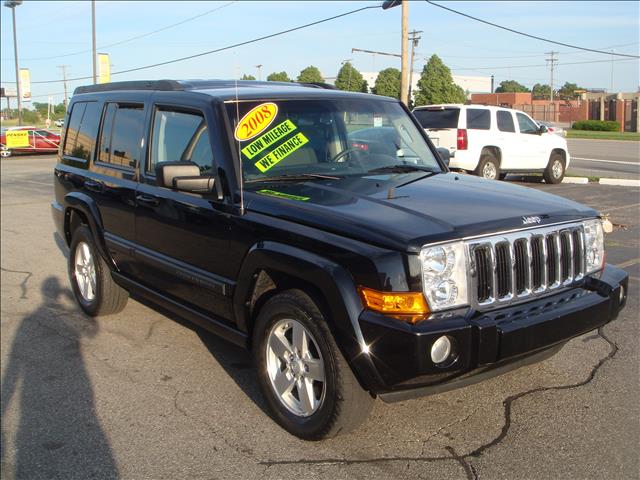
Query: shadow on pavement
[{"x": 58, "y": 434}]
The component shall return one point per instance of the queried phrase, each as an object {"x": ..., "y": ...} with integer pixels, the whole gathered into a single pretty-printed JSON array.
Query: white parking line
[{"x": 605, "y": 161}]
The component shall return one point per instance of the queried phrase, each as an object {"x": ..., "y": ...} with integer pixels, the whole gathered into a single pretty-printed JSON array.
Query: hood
[{"x": 406, "y": 211}]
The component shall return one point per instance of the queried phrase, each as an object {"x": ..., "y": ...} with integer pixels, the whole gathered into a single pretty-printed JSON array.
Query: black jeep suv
[{"x": 322, "y": 230}]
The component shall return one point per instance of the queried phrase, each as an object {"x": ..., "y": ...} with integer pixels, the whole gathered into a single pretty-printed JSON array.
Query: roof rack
[{"x": 165, "y": 85}]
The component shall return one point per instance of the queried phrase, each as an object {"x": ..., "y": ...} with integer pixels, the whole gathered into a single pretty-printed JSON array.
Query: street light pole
[
  {"x": 259, "y": 67},
  {"x": 93, "y": 35},
  {"x": 12, "y": 5},
  {"x": 404, "y": 79}
]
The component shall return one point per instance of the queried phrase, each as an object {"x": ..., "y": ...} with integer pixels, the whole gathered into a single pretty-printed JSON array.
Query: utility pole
[
  {"x": 414, "y": 43},
  {"x": 404, "y": 77},
  {"x": 551, "y": 61},
  {"x": 12, "y": 4},
  {"x": 93, "y": 40},
  {"x": 612, "y": 52},
  {"x": 259, "y": 67},
  {"x": 64, "y": 80}
]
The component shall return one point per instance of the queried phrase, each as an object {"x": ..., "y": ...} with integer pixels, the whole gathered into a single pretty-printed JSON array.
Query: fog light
[{"x": 441, "y": 350}]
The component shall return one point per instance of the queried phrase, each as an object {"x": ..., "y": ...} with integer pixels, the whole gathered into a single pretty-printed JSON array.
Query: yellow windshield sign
[
  {"x": 273, "y": 193},
  {"x": 17, "y": 138},
  {"x": 268, "y": 139},
  {"x": 281, "y": 152}
]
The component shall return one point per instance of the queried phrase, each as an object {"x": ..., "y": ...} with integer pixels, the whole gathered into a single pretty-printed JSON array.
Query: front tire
[
  {"x": 91, "y": 281},
  {"x": 554, "y": 173},
  {"x": 309, "y": 387},
  {"x": 488, "y": 167}
]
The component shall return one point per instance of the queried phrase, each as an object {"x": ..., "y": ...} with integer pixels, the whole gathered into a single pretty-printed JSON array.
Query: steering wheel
[{"x": 336, "y": 158}]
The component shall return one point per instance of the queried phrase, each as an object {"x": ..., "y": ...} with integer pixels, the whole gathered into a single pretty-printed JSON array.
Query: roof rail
[
  {"x": 165, "y": 85},
  {"x": 326, "y": 86}
]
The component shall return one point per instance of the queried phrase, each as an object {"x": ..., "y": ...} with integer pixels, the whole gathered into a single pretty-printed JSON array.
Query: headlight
[
  {"x": 444, "y": 275},
  {"x": 593, "y": 245}
]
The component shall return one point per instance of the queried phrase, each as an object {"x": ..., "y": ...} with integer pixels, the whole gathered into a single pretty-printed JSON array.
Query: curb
[
  {"x": 620, "y": 181},
  {"x": 575, "y": 180}
]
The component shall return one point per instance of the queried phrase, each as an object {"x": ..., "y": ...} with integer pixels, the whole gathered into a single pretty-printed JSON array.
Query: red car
[{"x": 40, "y": 141}]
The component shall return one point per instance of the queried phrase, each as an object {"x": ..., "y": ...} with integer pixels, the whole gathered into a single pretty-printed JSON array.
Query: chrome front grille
[{"x": 510, "y": 267}]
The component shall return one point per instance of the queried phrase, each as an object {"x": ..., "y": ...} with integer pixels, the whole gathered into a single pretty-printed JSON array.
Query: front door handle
[
  {"x": 93, "y": 186},
  {"x": 149, "y": 200}
]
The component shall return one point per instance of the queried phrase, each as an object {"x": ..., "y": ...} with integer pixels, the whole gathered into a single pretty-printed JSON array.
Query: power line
[
  {"x": 228, "y": 47},
  {"x": 137, "y": 37},
  {"x": 527, "y": 34},
  {"x": 544, "y": 65}
]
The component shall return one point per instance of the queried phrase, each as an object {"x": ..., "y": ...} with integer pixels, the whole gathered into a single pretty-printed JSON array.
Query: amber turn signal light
[{"x": 407, "y": 306}]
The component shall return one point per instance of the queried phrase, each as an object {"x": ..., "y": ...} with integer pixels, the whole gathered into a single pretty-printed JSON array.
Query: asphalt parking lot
[{"x": 141, "y": 395}]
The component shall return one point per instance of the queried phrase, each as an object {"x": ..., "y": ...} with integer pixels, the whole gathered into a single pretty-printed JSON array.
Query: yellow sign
[
  {"x": 255, "y": 121},
  {"x": 104, "y": 68},
  {"x": 268, "y": 139},
  {"x": 25, "y": 84},
  {"x": 273, "y": 193},
  {"x": 281, "y": 152},
  {"x": 17, "y": 138}
]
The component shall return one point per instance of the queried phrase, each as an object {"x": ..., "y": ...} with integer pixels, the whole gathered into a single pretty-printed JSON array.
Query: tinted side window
[
  {"x": 83, "y": 127},
  {"x": 178, "y": 137},
  {"x": 505, "y": 121},
  {"x": 438, "y": 118},
  {"x": 526, "y": 124},
  {"x": 122, "y": 134},
  {"x": 478, "y": 118}
]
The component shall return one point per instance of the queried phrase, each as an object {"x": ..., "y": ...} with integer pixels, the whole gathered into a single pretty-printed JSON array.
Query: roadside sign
[{"x": 17, "y": 138}]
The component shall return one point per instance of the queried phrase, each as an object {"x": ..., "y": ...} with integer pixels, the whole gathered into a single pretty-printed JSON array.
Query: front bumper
[{"x": 487, "y": 343}]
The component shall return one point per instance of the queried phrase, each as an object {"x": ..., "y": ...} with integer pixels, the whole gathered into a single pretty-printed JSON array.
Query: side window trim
[{"x": 147, "y": 172}]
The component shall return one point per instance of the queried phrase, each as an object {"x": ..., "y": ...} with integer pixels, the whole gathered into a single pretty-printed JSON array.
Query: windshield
[
  {"x": 326, "y": 138},
  {"x": 438, "y": 118}
]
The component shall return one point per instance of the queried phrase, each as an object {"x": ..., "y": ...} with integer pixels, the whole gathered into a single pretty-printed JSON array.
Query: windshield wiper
[
  {"x": 302, "y": 177},
  {"x": 402, "y": 168}
]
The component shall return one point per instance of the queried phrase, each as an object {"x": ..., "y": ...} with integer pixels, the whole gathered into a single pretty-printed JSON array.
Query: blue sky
[{"x": 49, "y": 29}]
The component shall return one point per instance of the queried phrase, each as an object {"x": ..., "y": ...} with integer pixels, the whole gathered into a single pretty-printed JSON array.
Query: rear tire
[
  {"x": 91, "y": 281},
  {"x": 488, "y": 166},
  {"x": 311, "y": 391},
  {"x": 554, "y": 173}
]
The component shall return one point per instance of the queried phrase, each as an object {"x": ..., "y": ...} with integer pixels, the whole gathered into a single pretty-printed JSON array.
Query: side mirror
[
  {"x": 445, "y": 155},
  {"x": 542, "y": 129},
  {"x": 183, "y": 176}
]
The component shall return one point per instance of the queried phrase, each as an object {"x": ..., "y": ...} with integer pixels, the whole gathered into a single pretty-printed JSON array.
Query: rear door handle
[
  {"x": 149, "y": 200},
  {"x": 93, "y": 186}
]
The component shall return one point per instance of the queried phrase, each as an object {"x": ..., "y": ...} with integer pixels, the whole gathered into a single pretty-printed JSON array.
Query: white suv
[{"x": 494, "y": 141}]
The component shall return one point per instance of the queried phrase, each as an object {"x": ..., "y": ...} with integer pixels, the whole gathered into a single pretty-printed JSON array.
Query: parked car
[
  {"x": 320, "y": 230},
  {"x": 59, "y": 122},
  {"x": 39, "y": 141},
  {"x": 553, "y": 128},
  {"x": 494, "y": 141}
]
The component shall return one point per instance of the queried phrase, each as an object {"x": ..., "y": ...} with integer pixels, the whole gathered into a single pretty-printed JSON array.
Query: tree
[
  {"x": 349, "y": 79},
  {"x": 511, "y": 86},
  {"x": 541, "y": 92},
  {"x": 365, "y": 87},
  {"x": 566, "y": 92},
  {"x": 436, "y": 85},
  {"x": 247, "y": 77},
  {"x": 311, "y": 74},
  {"x": 388, "y": 83},
  {"x": 278, "y": 77}
]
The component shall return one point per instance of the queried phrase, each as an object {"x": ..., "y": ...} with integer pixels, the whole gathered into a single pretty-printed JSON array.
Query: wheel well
[
  {"x": 72, "y": 220},
  {"x": 561, "y": 152},
  {"x": 270, "y": 283},
  {"x": 495, "y": 151}
]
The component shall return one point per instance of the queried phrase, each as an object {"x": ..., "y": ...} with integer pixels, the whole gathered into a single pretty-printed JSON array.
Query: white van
[{"x": 494, "y": 141}]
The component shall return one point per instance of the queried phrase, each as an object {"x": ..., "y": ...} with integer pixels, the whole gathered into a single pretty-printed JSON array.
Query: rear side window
[
  {"x": 121, "y": 135},
  {"x": 478, "y": 119},
  {"x": 445, "y": 118},
  {"x": 526, "y": 124},
  {"x": 505, "y": 121},
  {"x": 180, "y": 137},
  {"x": 83, "y": 128}
]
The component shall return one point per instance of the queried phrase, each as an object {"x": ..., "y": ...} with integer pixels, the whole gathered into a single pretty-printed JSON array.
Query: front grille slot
[{"x": 531, "y": 262}]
